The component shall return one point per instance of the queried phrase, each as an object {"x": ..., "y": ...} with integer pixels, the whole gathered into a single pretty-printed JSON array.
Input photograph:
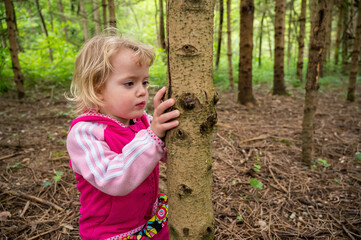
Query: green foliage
[
  {"x": 16, "y": 165},
  {"x": 358, "y": 156},
  {"x": 58, "y": 175},
  {"x": 255, "y": 183},
  {"x": 323, "y": 162}
]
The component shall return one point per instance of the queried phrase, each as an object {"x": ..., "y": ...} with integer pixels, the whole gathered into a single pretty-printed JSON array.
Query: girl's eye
[
  {"x": 128, "y": 84},
  {"x": 146, "y": 83}
]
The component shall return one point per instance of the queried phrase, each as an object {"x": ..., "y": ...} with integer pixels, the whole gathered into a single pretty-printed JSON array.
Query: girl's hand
[{"x": 163, "y": 121}]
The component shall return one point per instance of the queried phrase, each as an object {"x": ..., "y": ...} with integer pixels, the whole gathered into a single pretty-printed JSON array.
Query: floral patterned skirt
[{"x": 155, "y": 224}]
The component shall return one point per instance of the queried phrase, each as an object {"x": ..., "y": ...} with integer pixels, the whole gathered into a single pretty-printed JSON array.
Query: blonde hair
[{"x": 93, "y": 66}]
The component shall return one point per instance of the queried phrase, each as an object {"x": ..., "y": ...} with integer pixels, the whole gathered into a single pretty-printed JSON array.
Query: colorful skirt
[{"x": 155, "y": 224}]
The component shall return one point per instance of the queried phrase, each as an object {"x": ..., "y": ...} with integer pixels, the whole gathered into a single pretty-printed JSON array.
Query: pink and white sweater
[{"x": 117, "y": 172}]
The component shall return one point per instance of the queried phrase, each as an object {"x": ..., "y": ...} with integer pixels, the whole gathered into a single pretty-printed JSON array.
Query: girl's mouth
[{"x": 141, "y": 104}]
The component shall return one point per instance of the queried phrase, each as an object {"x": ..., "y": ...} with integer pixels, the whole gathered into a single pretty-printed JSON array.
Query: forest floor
[{"x": 39, "y": 199}]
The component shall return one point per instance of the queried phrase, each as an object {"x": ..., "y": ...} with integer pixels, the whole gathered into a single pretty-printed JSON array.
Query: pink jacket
[{"x": 117, "y": 172}]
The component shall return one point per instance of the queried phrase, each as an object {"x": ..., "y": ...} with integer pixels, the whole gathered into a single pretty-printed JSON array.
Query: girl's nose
[{"x": 141, "y": 89}]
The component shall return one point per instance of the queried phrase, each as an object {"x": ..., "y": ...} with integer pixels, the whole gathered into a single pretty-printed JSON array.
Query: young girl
[{"x": 114, "y": 146}]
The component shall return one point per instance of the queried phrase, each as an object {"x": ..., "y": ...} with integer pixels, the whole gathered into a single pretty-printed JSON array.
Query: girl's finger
[
  {"x": 158, "y": 97},
  {"x": 164, "y": 106},
  {"x": 168, "y": 116}
]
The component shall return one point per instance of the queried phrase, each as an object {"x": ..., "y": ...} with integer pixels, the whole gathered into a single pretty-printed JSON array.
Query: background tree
[
  {"x": 220, "y": 31},
  {"x": 105, "y": 19},
  {"x": 245, "y": 90},
  {"x": 261, "y": 31},
  {"x": 341, "y": 10},
  {"x": 44, "y": 28},
  {"x": 62, "y": 18},
  {"x": 301, "y": 39},
  {"x": 84, "y": 19},
  {"x": 315, "y": 57},
  {"x": 289, "y": 32},
  {"x": 112, "y": 20},
  {"x": 354, "y": 59},
  {"x": 346, "y": 35},
  {"x": 96, "y": 16},
  {"x": 10, "y": 21},
  {"x": 190, "y": 83},
  {"x": 161, "y": 39},
  {"x": 229, "y": 45},
  {"x": 279, "y": 87},
  {"x": 328, "y": 35}
]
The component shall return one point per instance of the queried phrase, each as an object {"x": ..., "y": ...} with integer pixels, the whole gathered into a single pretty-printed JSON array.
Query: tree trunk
[
  {"x": 43, "y": 25},
  {"x": 301, "y": 40},
  {"x": 339, "y": 30},
  {"x": 220, "y": 27},
  {"x": 279, "y": 87},
  {"x": 105, "y": 19},
  {"x": 161, "y": 26},
  {"x": 190, "y": 83},
  {"x": 51, "y": 15},
  {"x": 317, "y": 49},
  {"x": 260, "y": 40},
  {"x": 289, "y": 44},
  {"x": 84, "y": 20},
  {"x": 10, "y": 21},
  {"x": 328, "y": 35},
  {"x": 229, "y": 45},
  {"x": 112, "y": 20},
  {"x": 63, "y": 19},
  {"x": 345, "y": 35},
  {"x": 96, "y": 16},
  {"x": 354, "y": 61},
  {"x": 245, "y": 92},
  {"x": 269, "y": 41}
]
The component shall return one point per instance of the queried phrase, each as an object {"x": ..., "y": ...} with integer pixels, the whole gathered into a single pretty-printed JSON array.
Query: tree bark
[
  {"x": 220, "y": 28},
  {"x": 260, "y": 40},
  {"x": 245, "y": 91},
  {"x": 96, "y": 16},
  {"x": 328, "y": 35},
  {"x": 63, "y": 19},
  {"x": 161, "y": 26},
  {"x": 301, "y": 40},
  {"x": 190, "y": 83},
  {"x": 43, "y": 25},
  {"x": 112, "y": 19},
  {"x": 105, "y": 19},
  {"x": 279, "y": 87},
  {"x": 84, "y": 20},
  {"x": 229, "y": 45},
  {"x": 18, "y": 76},
  {"x": 354, "y": 59},
  {"x": 316, "y": 50},
  {"x": 289, "y": 43},
  {"x": 345, "y": 36},
  {"x": 339, "y": 30}
]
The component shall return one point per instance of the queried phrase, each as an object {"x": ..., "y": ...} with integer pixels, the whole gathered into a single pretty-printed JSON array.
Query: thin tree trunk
[
  {"x": 317, "y": 49},
  {"x": 105, "y": 19},
  {"x": 279, "y": 87},
  {"x": 112, "y": 20},
  {"x": 269, "y": 41},
  {"x": 84, "y": 20},
  {"x": 63, "y": 19},
  {"x": 220, "y": 27},
  {"x": 161, "y": 26},
  {"x": 354, "y": 61},
  {"x": 10, "y": 21},
  {"x": 345, "y": 36},
  {"x": 44, "y": 29},
  {"x": 301, "y": 40},
  {"x": 260, "y": 40},
  {"x": 245, "y": 91},
  {"x": 190, "y": 83},
  {"x": 229, "y": 45},
  {"x": 339, "y": 30},
  {"x": 51, "y": 15},
  {"x": 289, "y": 44},
  {"x": 328, "y": 35},
  {"x": 96, "y": 16}
]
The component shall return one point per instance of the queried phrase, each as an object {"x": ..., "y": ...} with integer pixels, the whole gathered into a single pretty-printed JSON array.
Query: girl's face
[{"x": 125, "y": 93}]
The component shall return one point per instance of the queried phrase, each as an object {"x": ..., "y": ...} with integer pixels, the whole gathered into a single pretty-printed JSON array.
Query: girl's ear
[{"x": 99, "y": 93}]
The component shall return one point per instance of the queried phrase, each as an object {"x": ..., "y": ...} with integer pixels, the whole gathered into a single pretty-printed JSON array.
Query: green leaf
[
  {"x": 358, "y": 156},
  {"x": 323, "y": 162},
  {"x": 255, "y": 183},
  {"x": 257, "y": 167},
  {"x": 57, "y": 178},
  {"x": 59, "y": 173},
  {"x": 16, "y": 165},
  {"x": 239, "y": 218},
  {"x": 47, "y": 184}
]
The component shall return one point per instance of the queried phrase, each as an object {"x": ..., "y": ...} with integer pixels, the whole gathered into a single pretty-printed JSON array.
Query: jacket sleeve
[
  {"x": 112, "y": 173},
  {"x": 164, "y": 157}
]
